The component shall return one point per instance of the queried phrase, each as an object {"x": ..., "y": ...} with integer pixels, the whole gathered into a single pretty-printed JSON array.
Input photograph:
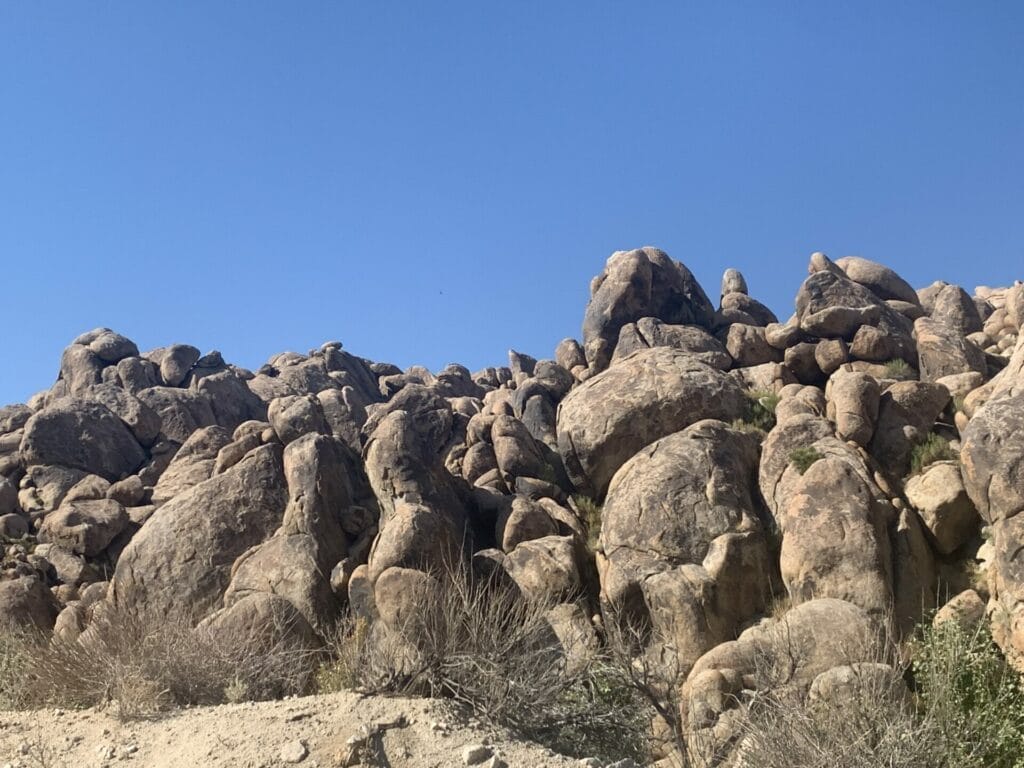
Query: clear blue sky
[{"x": 438, "y": 181}]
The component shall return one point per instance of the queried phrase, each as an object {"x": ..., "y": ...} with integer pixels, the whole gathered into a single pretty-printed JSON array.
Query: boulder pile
[{"x": 764, "y": 487}]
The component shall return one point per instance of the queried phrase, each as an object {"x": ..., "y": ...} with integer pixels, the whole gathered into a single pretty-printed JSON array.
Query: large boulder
[
  {"x": 319, "y": 524},
  {"x": 906, "y": 414},
  {"x": 181, "y": 411},
  {"x": 84, "y": 527},
  {"x": 993, "y": 470},
  {"x": 943, "y": 351},
  {"x": 879, "y": 279},
  {"x": 835, "y": 538},
  {"x": 682, "y": 521},
  {"x": 179, "y": 563},
  {"x": 938, "y": 494},
  {"x": 650, "y": 394},
  {"x": 637, "y": 284},
  {"x": 82, "y": 434},
  {"x": 176, "y": 362},
  {"x": 853, "y": 400},
  {"x": 652, "y": 332},
  {"x": 192, "y": 464},
  {"x": 142, "y": 420}
]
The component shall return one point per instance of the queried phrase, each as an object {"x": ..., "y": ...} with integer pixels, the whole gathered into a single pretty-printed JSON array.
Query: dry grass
[
  {"x": 479, "y": 643},
  {"x": 139, "y": 666},
  {"x": 966, "y": 710}
]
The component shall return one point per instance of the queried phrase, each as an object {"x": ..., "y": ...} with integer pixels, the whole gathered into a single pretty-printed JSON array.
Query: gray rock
[{"x": 82, "y": 435}]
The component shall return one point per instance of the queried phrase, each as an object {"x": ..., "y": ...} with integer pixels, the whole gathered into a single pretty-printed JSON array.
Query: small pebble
[
  {"x": 475, "y": 754},
  {"x": 294, "y": 752}
]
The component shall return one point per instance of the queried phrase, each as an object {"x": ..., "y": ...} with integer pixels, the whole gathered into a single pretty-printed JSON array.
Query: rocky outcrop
[
  {"x": 634, "y": 285},
  {"x": 736, "y": 489}
]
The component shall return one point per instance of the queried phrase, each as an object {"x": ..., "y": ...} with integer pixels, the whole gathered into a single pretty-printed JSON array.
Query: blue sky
[{"x": 436, "y": 182}]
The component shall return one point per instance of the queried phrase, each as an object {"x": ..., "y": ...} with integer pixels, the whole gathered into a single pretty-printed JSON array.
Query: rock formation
[{"x": 841, "y": 464}]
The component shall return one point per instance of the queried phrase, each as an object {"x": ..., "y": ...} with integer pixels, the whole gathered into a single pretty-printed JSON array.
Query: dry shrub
[
  {"x": 876, "y": 725},
  {"x": 141, "y": 665},
  {"x": 477, "y": 642},
  {"x": 966, "y": 711}
]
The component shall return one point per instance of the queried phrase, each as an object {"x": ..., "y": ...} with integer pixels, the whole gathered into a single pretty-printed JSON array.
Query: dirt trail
[{"x": 257, "y": 735}]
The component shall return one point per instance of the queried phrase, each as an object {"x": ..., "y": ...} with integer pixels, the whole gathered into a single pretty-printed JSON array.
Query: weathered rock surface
[
  {"x": 179, "y": 563},
  {"x": 650, "y": 394},
  {"x": 84, "y": 435},
  {"x": 634, "y": 285}
]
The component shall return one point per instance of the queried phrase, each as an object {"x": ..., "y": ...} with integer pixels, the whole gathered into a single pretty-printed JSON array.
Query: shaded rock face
[
  {"x": 634, "y": 285},
  {"x": 83, "y": 435},
  {"x": 648, "y": 395}
]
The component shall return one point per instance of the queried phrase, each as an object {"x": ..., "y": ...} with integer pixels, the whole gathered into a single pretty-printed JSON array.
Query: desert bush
[
  {"x": 761, "y": 406},
  {"x": 898, "y": 369},
  {"x": 873, "y": 727},
  {"x": 933, "y": 448},
  {"x": 802, "y": 458},
  {"x": 477, "y": 642},
  {"x": 140, "y": 666},
  {"x": 967, "y": 711},
  {"x": 974, "y": 698}
]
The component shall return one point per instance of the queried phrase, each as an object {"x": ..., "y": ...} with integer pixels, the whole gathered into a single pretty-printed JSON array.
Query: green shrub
[
  {"x": 898, "y": 369},
  {"x": 973, "y": 696},
  {"x": 803, "y": 458},
  {"x": 761, "y": 406},
  {"x": 933, "y": 448}
]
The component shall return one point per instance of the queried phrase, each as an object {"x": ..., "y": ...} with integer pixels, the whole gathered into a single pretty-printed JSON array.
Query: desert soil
[{"x": 256, "y": 735}]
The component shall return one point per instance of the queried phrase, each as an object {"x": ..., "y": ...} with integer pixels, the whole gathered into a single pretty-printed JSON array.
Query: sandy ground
[{"x": 256, "y": 736}]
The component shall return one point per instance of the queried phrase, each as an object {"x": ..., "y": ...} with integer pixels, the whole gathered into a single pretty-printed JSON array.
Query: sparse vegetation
[
  {"x": 898, "y": 369},
  {"x": 802, "y": 458},
  {"x": 141, "y": 666},
  {"x": 930, "y": 450},
  {"x": 590, "y": 513},
  {"x": 759, "y": 418},
  {"x": 973, "y": 697},
  {"x": 966, "y": 711},
  {"x": 479, "y": 643}
]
